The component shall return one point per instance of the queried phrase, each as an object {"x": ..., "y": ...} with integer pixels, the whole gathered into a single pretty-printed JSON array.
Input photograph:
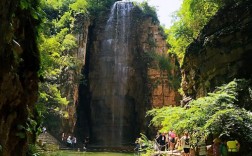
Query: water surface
[{"x": 73, "y": 153}]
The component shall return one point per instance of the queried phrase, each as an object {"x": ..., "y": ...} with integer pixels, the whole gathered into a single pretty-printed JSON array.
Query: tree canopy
[
  {"x": 57, "y": 43},
  {"x": 218, "y": 114},
  {"x": 189, "y": 20}
]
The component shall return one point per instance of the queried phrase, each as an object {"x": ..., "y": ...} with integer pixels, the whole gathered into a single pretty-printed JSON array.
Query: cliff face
[
  {"x": 123, "y": 78},
  {"x": 221, "y": 53},
  {"x": 71, "y": 89},
  {"x": 18, "y": 77},
  {"x": 151, "y": 42},
  {"x": 71, "y": 78}
]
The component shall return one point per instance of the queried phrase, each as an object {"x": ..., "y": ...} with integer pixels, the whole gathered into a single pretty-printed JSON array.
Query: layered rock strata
[
  {"x": 222, "y": 52},
  {"x": 123, "y": 78}
]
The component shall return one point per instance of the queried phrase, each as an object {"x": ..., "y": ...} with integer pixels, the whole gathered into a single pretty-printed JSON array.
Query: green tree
[
  {"x": 57, "y": 43},
  {"x": 189, "y": 20},
  {"x": 98, "y": 7},
  {"x": 217, "y": 114},
  {"x": 149, "y": 11}
]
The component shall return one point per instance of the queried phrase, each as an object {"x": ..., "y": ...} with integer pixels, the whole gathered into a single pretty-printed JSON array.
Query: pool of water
[{"x": 73, "y": 153}]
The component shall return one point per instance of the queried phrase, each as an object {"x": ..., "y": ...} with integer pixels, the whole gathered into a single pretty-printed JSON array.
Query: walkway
[
  {"x": 47, "y": 142},
  {"x": 168, "y": 153}
]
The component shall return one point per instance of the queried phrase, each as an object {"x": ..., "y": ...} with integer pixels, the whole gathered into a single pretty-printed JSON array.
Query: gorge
[
  {"x": 118, "y": 70},
  {"x": 143, "y": 86},
  {"x": 112, "y": 106}
]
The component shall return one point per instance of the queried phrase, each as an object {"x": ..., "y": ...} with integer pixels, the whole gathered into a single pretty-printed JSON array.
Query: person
[
  {"x": 223, "y": 148},
  {"x": 216, "y": 147},
  {"x": 233, "y": 147},
  {"x": 178, "y": 145},
  {"x": 86, "y": 141},
  {"x": 63, "y": 136},
  {"x": 69, "y": 141},
  {"x": 167, "y": 140},
  {"x": 74, "y": 141},
  {"x": 137, "y": 143},
  {"x": 44, "y": 129},
  {"x": 172, "y": 136},
  {"x": 161, "y": 140},
  {"x": 185, "y": 141}
]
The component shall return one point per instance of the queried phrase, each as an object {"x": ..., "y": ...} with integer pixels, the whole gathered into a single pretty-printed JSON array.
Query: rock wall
[
  {"x": 222, "y": 52},
  {"x": 152, "y": 40},
  {"x": 108, "y": 101},
  {"x": 72, "y": 93},
  {"x": 18, "y": 77},
  {"x": 71, "y": 79}
]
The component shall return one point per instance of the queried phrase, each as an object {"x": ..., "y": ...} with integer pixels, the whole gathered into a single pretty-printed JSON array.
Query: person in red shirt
[{"x": 172, "y": 136}]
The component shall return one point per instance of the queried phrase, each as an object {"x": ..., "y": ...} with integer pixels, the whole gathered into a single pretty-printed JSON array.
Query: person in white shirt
[
  {"x": 185, "y": 142},
  {"x": 69, "y": 141}
]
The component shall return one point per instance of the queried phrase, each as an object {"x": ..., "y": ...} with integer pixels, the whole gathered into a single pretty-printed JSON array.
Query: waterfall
[{"x": 110, "y": 78}]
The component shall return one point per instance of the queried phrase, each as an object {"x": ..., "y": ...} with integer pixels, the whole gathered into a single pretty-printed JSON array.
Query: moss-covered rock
[
  {"x": 222, "y": 51},
  {"x": 19, "y": 63}
]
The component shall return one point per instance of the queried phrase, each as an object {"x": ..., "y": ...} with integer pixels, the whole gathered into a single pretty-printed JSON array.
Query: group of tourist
[
  {"x": 70, "y": 141},
  {"x": 170, "y": 141}
]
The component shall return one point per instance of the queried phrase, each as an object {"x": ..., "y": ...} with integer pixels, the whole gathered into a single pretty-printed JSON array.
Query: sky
[{"x": 165, "y": 8}]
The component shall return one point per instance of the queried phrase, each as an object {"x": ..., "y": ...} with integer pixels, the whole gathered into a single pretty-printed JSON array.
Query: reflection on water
[
  {"x": 108, "y": 154},
  {"x": 72, "y": 153}
]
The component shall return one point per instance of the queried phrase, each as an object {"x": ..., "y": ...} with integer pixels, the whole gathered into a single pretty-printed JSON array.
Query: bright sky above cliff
[{"x": 165, "y": 8}]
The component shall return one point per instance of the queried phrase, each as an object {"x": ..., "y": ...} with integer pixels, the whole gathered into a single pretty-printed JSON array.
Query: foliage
[
  {"x": 56, "y": 44},
  {"x": 79, "y": 6},
  {"x": 147, "y": 145},
  {"x": 216, "y": 114},
  {"x": 166, "y": 64},
  {"x": 189, "y": 20},
  {"x": 32, "y": 150},
  {"x": 98, "y": 7},
  {"x": 149, "y": 11}
]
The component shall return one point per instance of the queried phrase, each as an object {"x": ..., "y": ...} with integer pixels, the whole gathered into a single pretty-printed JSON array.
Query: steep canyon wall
[
  {"x": 70, "y": 79},
  {"x": 221, "y": 53},
  {"x": 19, "y": 64},
  {"x": 123, "y": 79}
]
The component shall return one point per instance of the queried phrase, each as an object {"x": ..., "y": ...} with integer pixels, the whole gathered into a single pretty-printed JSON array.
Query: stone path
[
  {"x": 47, "y": 142},
  {"x": 168, "y": 153}
]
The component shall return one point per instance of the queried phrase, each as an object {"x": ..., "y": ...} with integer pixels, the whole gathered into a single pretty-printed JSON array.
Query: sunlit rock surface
[
  {"x": 70, "y": 80},
  {"x": 122, "y": 81},
  {"x": 222, "y": 52}
]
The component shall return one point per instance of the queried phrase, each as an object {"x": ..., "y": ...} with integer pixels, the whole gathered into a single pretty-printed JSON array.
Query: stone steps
[
  {"x": 167, "y": 153},
  {"x": 47, "y": 142}
]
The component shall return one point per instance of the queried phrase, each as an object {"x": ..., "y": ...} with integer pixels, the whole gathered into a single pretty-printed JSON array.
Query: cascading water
[{"x": 111, "y": 126}]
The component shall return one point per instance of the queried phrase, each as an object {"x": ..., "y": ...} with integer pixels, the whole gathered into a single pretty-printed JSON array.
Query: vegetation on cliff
[
  {"x": 219, "y": 114},
  {"x": 226, "y": 112},
  {"x": 189, "y": 21},
  {"x": 57, "y": 44}
]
